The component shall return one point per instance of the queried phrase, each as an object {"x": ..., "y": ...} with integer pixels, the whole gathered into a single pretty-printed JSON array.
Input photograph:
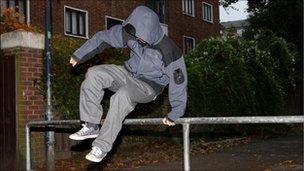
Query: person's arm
[
  {"x": 177, "y": 90},
  {"x": 114, "y": 37}
]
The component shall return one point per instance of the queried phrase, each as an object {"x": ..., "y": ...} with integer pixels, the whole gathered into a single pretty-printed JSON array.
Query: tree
[{"x": 283, "y": 18}]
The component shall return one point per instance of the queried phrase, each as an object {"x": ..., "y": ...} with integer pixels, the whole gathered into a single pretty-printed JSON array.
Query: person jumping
[{"x": 155, "y": 61}]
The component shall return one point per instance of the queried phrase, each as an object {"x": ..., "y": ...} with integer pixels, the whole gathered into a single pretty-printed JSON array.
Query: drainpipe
[{"x": 49, "y": 136}]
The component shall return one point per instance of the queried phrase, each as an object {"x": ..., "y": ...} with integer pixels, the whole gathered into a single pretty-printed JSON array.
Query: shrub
[
  {"x": 231, "y": 77},
  {"x": 284, "y": 56},
  {"x": 11, "y": 21}
]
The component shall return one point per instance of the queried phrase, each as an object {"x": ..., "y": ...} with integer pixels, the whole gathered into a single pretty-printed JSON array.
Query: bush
[
  {"x": 231, "y": 77},
  {"x": 11, "y": 21}
]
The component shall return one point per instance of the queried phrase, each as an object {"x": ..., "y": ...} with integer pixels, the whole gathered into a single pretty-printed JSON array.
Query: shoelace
[
  {"x": 83, "y": 130},
  {"x": 96, "y": 151}
]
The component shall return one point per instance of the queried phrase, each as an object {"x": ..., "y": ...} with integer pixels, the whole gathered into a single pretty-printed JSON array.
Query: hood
[{"x": 146, "y": 24}]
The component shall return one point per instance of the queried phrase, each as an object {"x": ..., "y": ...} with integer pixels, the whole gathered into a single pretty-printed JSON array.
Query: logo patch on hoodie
[{"x": 178, "y": 76}]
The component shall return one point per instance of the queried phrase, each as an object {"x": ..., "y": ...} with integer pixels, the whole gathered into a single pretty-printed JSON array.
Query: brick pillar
[{"x": 27, "y": 50}]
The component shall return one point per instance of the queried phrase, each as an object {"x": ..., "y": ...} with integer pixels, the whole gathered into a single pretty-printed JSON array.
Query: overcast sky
[{"x": 231, "y": 14}]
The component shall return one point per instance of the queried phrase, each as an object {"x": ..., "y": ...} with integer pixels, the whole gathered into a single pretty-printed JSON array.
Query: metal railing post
[
  {"x": 28, "y": 147},
  {"x": 186, "y": 139}
]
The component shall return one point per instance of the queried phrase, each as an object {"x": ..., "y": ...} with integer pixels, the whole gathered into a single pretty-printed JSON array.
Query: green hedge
[{"x": 231, "y": 77}]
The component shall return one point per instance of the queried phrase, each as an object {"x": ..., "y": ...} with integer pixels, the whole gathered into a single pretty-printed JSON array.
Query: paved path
[{"x": 277, "y": 154}]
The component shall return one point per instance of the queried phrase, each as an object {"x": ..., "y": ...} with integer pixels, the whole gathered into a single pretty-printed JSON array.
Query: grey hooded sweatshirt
[{"x": 158, "y": 63}]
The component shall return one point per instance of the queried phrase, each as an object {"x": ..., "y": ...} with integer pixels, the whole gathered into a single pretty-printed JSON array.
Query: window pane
[
  {"x": 81, "y": 24},
  {"x": 188, "y": 44},
  {"x": 191, "y": 7},
  {"x": 67, "y": 22},
  {"x": 22, "y": 10},
  {"x": 74, "y": 23},
  {"x": 112, "y": 22},
  {"x": 3, "y": 4},
  {"x": 12, "y": 3},
  {"x": 207, "y": 12}
]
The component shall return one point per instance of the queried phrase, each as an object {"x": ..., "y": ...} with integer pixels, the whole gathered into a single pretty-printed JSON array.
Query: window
[
  {"x": 189, "y": 44},
  {"x": 111, "y": 21},
  {"x": 19, "y": 5},
  {"x": 76, "y": 22},
  {"x": 207, "y": 12},
  {"x": 188, "y": 7},
  {"x": 159, "y": 7}
]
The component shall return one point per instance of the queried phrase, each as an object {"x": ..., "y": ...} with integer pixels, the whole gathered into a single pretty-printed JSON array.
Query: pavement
[{"x": 275, "y": 154}]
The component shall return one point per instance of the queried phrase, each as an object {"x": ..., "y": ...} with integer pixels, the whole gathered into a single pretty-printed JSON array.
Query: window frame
[
  {"x": 211, "y": 7},
  {"x": 114, "y": 18},
  {"x": 193, "y": 9},
  {"x": 86, "y": 24},
  {"x": 184, "y": 43}
]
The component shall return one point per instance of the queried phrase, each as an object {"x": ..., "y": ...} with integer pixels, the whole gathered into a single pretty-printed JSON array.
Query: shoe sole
[
  {"x": 78, "y": 138},
  {"x": 93, "y": 159}
]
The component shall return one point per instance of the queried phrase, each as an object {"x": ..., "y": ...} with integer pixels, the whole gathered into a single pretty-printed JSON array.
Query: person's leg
[
  {"x": 97, "y": 79},
  {"x": 91, "y": 94},
  {"x": 121, "y": 104}
]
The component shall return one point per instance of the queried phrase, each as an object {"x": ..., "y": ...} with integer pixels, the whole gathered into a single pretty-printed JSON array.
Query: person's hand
[
  {"x": 168, "y": 122},
  {"x": 73, "y": 62}
]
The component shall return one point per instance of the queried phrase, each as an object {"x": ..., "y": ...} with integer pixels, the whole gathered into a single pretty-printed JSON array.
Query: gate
[{"x": 7, "y": 113}]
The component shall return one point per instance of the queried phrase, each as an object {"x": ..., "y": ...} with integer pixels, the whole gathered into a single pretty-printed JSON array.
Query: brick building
[{"x": 185, "y": 21}]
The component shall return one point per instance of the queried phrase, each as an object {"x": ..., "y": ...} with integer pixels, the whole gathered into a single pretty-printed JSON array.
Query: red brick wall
[
  {"x": 183, "y": 25},
  {"x": 178, "y": 23},
  {"x": 97, "y": 12},
  {"x": 29, "y": 101}
]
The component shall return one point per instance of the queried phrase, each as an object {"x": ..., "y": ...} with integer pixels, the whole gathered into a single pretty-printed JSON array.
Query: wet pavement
[{"x": 275, "y": 154}]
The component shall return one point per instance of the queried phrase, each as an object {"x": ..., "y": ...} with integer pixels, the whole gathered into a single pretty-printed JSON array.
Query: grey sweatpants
[{"x": 129, "y": 92}]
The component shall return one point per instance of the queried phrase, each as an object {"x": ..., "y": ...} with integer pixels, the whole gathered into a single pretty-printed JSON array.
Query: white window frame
[
  {"x": 193, "y": 9},
  {"x": 205, "y": 3},
  {"x": 107, "y": 16},
  {"x": 86, "y": 22},
  {"x": 184, "y": 43}
]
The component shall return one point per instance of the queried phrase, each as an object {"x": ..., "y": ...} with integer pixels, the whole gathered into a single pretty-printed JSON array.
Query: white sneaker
[
  {"x": 95, "y": 155},
  {"x": 85, "y": 133}
]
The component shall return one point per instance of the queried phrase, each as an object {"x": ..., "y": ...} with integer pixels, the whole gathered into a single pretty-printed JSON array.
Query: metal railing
[{"x": 185, "y": 122}]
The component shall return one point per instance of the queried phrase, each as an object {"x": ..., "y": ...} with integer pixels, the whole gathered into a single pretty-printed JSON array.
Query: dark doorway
[{"x": 7, "y": 113}]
